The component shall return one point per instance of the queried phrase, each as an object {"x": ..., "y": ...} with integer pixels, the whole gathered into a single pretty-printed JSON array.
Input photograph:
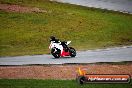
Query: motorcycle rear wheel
[{"x": 72, "y": 52}]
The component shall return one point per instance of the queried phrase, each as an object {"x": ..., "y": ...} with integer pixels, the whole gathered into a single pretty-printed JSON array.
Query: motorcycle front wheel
[{"x": 56, "y": 54}]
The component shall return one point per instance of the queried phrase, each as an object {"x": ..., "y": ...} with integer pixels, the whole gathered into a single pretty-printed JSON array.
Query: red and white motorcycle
[{"x": 57, "y": 49}]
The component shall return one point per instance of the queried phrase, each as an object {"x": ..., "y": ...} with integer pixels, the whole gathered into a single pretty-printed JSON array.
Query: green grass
[
  {"x": 87, "y": 28},
  {"x": 32, "y": 83}
]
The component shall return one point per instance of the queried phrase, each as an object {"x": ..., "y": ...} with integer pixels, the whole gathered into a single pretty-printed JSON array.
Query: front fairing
[{"x": 55, "y": 45}]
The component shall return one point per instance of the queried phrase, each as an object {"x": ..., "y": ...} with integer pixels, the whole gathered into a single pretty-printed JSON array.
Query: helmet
[{"x": 52, "y": 37}]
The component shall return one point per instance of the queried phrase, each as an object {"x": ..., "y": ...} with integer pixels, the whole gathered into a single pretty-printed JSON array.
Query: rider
[{"x": 63, "y": 43}]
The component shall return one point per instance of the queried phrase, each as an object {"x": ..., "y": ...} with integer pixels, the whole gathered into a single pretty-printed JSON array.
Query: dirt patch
[
  {"x": 60, "y": 71},
  {"x": 20, "y": 9}
]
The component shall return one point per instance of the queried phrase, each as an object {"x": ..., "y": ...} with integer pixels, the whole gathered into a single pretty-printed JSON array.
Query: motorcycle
[{"x": 57, "y": 49}]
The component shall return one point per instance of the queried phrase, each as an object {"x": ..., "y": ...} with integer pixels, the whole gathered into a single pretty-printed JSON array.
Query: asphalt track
[
  {"x": 117, "y": 54},
  {"x": 124, "y": 6}
]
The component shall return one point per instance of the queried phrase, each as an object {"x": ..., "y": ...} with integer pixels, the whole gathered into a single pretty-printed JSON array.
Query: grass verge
[
  {"x": 87, "y": 28},
  {"x": 33, "y": 83}
]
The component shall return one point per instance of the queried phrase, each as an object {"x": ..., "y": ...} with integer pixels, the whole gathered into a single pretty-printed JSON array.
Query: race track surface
[
  {"x": 117, "y": 54},
  {"x": 124, "y": 6}
]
